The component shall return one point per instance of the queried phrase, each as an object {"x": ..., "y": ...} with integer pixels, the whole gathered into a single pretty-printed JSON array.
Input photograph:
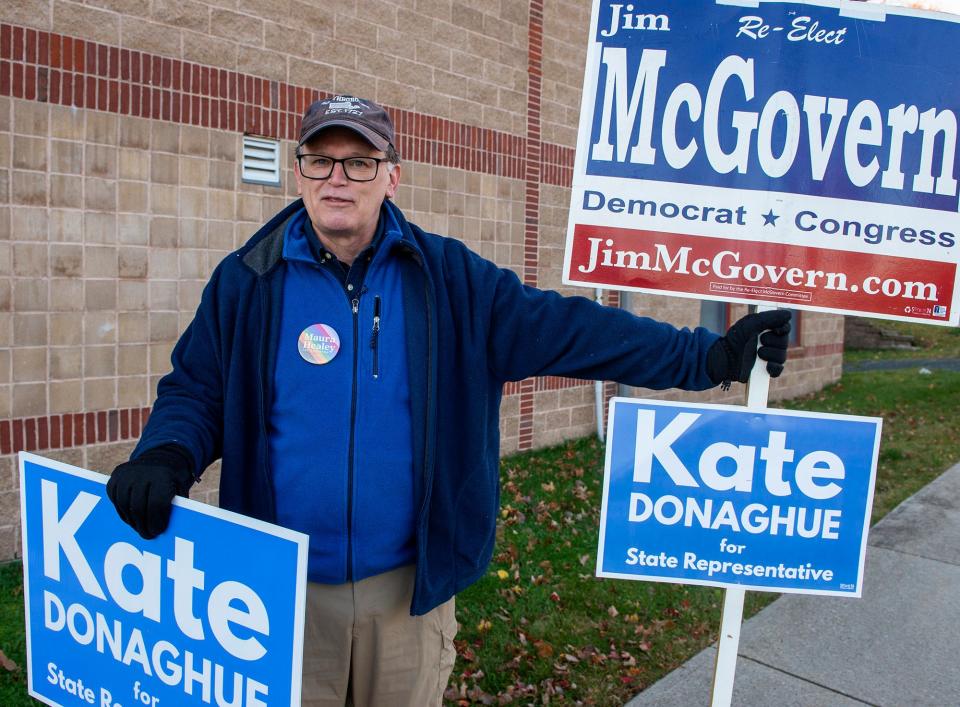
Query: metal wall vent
[{"x": 261, "y": 160}]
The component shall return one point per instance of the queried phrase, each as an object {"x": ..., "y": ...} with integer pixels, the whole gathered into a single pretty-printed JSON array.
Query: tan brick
[
  {"x": 165, "y": 137},
  {"x": 100, "y": 261},
  {"x": 29, "y": 188},
  {"x": 101, "y": 128},
  {"x": 206, "y": 49},
  {"x": 29, "y": 399},
  {"x": 99, "y": 227},
  {"x": 303, "y": 72},
  {"x": 133, "y": 163},
  {"x": 6, "y": 401},
  {"x": 133, "y": 229},
  {"x": 66, "y": 157},
  {"x": 32, "y": 13},
  {"x": 4, "y": 190},
  {"x": 65, "y": 329},
  {"x": 194, "y": 141},
  {"x": 29, "y": 364},
  {"x": 353, "y": 82},
  {"x": 163, "y": 327},
  {"x": 132, "y": 196},
  {"x": 163, "y": 199},
  {"x": 29, "y": 152},
  {"x": 132, "y": 326},
  {"x": 329, "y": 52},
  {"x": 132, "y": 295},
  {"x": 99, "y": 328},
  {"x": 99, "y": 395},
  {"x": 236, "y": 27},
  {"x": 223, "y": 175},
  {"x": 30, "y": 259},
  {"x": 65, "y": 396},
  {"x": 261, "y": 62},
  {"x": 100, "y": 194},
  {"x": 66, "y": 295},
  {"x": 286, "y": 40},
  {"x": 194, "y": 171},
  {"x": 133, "y": 391},
  {"x": 100, "y": 295},
  {"x": 151, "y": 37},
  {"x": 99, "y": 361},
  {"x": 182, "y": 13},
  {"x": 132, "y": 360},
  {"x": 134, "y": 133},
  {"x": 30, "y": 295},
  {"x": 67, "y": 123},
  {"x": 132, "y": 262},
  {"x": 81, "y": 21},
  {"x": 163, "y": 232},
  {"x": 107, "y": 457},
  {"x": 162, "y": 264},
  {"x": 163, "y": 294},
  {"x": 223, "y": 146},
  {"x": 31, "y": 118},
  {"x": 164, "y": 169},
  {"x": 65, "y": 362},
  {"x": 100, "y": 161}
]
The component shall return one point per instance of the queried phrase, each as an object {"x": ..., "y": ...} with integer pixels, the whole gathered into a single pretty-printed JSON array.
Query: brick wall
[{"x": 121, "y": 127}]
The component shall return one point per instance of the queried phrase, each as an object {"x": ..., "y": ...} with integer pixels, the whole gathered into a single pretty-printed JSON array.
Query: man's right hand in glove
[{"x": 143, "y": 488}]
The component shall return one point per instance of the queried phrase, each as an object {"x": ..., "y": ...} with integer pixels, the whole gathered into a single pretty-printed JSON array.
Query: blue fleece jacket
[
  {"x": 470, "y": 327},
  {"x": 340, "y": 430}
]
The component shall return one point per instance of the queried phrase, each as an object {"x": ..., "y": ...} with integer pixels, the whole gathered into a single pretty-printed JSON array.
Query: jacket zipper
[
  {"x": 355, "y": 308},
  {"x": 375, "y": 336}
]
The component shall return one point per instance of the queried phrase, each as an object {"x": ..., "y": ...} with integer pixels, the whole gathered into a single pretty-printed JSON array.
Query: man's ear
[{"x": 394, "y": 175}]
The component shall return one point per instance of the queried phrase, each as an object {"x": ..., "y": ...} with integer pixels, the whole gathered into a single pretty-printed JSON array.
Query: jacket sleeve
[
  {"x": 188, "y": 410},
  {"x": 534, "y": 332}
]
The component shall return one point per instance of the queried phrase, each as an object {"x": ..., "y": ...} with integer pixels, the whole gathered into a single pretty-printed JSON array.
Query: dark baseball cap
[{"x": 358, "y": 114}]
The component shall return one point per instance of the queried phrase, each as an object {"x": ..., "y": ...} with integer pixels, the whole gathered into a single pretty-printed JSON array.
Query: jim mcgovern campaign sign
[
  {"x": 795, "y": 153},
  {"x": 736, "y": 497},
  {"x": 209, "y": 613}
]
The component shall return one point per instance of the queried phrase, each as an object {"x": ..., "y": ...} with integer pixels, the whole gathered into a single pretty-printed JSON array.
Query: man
[{"x": 348, "y": 368}]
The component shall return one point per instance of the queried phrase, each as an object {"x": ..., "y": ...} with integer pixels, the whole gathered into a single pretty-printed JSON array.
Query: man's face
[{"x": 342, "y": 210}]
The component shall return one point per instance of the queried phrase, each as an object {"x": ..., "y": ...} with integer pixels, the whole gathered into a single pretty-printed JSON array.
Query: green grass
[
  {"x": 539, "y": 628},
  {"x": 13, "y": 683}
]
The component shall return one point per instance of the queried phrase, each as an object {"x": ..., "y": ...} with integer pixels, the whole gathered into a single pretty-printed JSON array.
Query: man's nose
[{"x": 339, "y": 174}]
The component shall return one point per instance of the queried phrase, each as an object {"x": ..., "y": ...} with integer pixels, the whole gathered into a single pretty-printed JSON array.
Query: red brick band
[
  {"x": 53, "y": 68},
  {"x": 34, "y": 434}
]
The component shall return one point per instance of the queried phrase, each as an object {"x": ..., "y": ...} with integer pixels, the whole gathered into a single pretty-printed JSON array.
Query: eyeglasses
[{"x": 357, "y": 169}]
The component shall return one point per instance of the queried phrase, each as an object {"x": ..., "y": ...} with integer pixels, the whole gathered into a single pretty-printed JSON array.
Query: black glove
[
  {"x": 142, "y": 489},
  {"x": 731, "y": 357}
]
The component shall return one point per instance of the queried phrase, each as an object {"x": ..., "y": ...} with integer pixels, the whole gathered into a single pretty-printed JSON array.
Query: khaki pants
[{"x": 362, "y": 647}]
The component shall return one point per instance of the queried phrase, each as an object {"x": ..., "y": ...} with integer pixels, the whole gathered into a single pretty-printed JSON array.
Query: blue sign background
[
  {"x": 854, "y": 440},
  {"x": 270, "y": 560},
  {"x": 877, "y": 61}
]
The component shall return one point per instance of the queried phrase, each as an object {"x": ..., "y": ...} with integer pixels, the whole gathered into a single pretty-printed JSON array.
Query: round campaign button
[{"x": 318, "y": 344}]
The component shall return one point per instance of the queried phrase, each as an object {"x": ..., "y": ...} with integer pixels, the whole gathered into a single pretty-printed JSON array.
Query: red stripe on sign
[{"x": 769, "y": 272}]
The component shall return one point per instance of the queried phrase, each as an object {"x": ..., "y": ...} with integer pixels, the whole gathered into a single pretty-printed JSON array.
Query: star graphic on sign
[{"x": 770, "y": 218}]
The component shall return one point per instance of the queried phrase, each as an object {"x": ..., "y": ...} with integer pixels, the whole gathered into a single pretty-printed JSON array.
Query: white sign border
[
  {"x": 856, "y": 594},
  {"x": 301, "y": 540}
]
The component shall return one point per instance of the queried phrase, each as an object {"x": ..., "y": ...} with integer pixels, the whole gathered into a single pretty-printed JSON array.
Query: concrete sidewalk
[{"x": 898, "y": 645}]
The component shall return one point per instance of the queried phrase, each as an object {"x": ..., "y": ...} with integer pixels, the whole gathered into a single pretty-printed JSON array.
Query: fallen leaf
[
  {"x": 484, "y": 626},
  {"x": 544, "y": 649},
  {"x": 612, "y": 610},
  {"x": 503, "y": 574},
  {"x": 8, "y": 664}
]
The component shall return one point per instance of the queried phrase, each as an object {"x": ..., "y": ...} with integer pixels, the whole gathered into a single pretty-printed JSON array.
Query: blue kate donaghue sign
[
  {"x": 732, "y": 497},
  {"x": 211, "y": 612}
]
